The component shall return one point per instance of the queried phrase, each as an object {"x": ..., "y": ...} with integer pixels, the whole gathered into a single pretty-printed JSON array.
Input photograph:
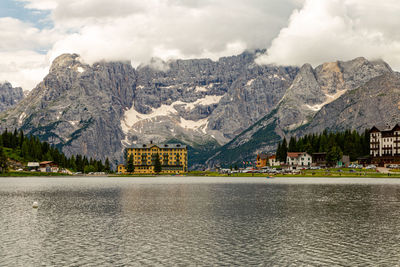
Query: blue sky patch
[{"x": 14, "y": 9}]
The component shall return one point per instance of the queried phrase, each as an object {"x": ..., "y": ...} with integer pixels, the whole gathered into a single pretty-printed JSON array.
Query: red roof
[
  {"x": 46, "y": 162},
  {"x": 272, "y": 157},
  {"x": 294, "y": 154}
]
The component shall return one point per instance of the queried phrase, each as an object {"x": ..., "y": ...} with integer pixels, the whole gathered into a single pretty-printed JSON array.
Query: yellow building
[
  {"x": 121, "y": 168},
  {"x": 173, "y": 158}
]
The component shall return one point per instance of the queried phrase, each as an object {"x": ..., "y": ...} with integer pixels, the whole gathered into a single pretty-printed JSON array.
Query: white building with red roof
[{"x": 299, "y": 159}]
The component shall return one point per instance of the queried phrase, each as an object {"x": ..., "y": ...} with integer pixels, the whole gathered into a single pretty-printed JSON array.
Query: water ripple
[{"x": 108, "y": 222}]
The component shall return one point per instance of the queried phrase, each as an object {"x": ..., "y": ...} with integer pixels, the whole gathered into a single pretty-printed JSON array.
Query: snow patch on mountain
[
  {"x": 132, "y": 117},
  {"x": 194, "y": 125},
  {"x": 201, "y": 89},
  {"x": 329, "y": 99}
]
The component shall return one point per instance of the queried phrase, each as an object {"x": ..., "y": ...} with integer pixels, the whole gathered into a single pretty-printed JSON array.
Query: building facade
[
  {"x": 272, "y": 161},
  {"x": 298, "y": 159},
  {"x": 262, "y": 160},
  {"x": 173, "y": 158},
  {"x": 385, "y": 145}
]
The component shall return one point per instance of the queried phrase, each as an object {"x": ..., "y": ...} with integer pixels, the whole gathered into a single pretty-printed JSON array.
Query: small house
[
  {"x": 272, "y": 161},
  {"x": 33, "y": 166},
  {"x": 48, "y": 166},
  {"x": 319, "y": 159}
]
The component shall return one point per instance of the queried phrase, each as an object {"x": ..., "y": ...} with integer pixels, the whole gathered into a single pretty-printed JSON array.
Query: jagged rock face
[
  {"x": 339, "y": 95},
  {"x": 100, "y": 109},
  {"x": 376, "y": 102},
  {"x": 9, "y": 96},
  {"x": 202, "y": 101},
  {"x": 314, "y": 88},
  {"x": 78, "y": 107}
]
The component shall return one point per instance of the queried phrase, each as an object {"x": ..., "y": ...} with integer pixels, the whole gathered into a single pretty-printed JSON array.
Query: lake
[{"x": 199, "y": 221}]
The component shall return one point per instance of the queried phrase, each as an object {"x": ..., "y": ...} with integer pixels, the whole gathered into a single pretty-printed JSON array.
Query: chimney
[{"x": 151, "y": 142}]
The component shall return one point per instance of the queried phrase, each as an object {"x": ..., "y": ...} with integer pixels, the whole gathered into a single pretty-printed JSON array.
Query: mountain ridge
[{"x": 226, "y": 110}]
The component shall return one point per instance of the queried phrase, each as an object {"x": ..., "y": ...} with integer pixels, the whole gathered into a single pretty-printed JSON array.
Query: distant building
[
  {"x": 33, "y": 166},
  {"x": 48, "y": 166},
  {"x": 344, "y": 161},
  {"x": 385, "y": 145},
  {"x": 298, "y": 159},
  {"x": 262, "y": 160},
  {"x": 319, "y": 159},
  {"x": 173, "y": 158},
  {"x": 121, "y": 168},
  {"x": 272, "y": 161}
]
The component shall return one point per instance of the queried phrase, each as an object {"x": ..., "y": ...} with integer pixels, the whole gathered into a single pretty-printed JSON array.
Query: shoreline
[{"x": 266, "y": 176}]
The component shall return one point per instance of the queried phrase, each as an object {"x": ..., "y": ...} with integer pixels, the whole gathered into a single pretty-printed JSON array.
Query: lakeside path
[{"x": 220, "y": 179}]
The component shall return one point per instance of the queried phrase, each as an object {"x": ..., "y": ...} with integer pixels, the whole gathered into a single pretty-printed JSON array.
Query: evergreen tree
[
  {"x": 21, "y": 138},
  {"x": 25, "y": 150},
  {"x": 333, "y": 155},
  {"x": 284, "y": 151},
  {"x": 292, "y": 144},
  {"x": 279, "y": 151},
  {"x": 130, "y": 167},
  {"x": 107, "y": 167},
  {"x": 157, "y": 164},
  {"x": 3, "y": 161},
  {"x": 308, "y": 148},
  {"x": 89, "y": 168}
]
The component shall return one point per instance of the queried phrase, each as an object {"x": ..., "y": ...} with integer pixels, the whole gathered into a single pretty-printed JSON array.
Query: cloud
[
  {"x": 17, "y": 35},
  {"x": 138, "y": 30},
  {"x": 293, "y": 31},
  {"x": 324, "y": 31},
  {"x": 23, "y": 68},
  {"x": 23, "y": 52}
]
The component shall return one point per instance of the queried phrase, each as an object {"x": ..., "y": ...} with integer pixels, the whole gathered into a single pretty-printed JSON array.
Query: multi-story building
[
  {"x": 262, "y": 160},
  {"x": 385, "y": 145},
  {"x": 173, "y": 158},
  {"x": 272, "y": 161},
  {"x": 298, "y": 159},
  {"x": 265, "y": 160}
]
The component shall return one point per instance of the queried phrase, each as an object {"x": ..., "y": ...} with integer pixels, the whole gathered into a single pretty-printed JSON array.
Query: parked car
[
  {"x": 315, "y": 168},
  {"x": 370, "y": 167}
]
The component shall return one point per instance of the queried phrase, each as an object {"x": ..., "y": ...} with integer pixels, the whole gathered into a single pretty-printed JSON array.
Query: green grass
[
  {"x": 13, "y": 154},
  {"x": 25, "y": 174}
]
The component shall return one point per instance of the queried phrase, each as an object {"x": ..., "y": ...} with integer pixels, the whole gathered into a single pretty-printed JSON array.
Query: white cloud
[
  {"x": 138, "y": 30},
  {"x": 39, "y": 4},
  {"x": 21, "y": 63},
  {"x": 294, "y": 31},
  {"x": 23, "y": 68},
  {"x": 338, "y": 29},
  {"x": 17, "y": 35}
]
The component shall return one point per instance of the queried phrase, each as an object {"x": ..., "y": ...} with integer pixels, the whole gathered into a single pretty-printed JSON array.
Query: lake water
[{"x": 198, "y": 221}]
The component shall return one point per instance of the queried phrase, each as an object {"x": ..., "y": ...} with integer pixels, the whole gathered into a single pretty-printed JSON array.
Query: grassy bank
[{"x": 27, "y": 174}]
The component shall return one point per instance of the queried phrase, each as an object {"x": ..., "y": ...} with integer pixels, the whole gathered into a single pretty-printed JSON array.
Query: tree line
[
  {"x": 30, "y": 148},
  {"x": 334, "y": 145}
]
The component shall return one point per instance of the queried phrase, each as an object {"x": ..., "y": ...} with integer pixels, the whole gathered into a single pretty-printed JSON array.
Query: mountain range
[{"x": 226, "y": 110}]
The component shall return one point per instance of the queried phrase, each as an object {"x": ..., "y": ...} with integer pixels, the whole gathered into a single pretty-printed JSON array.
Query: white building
[
  {"x": 272, "y": 161},
  {"x": 299, "y": 159},
  {"x": 385, "y": 142}
]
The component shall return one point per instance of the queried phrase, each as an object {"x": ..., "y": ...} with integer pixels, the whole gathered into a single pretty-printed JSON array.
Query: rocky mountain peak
[
  {"x": 65, "y": 61},
  {"x": 9, "y": 96}
]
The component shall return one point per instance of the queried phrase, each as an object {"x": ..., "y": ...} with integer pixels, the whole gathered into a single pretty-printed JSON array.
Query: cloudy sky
[{"x": 34, "y": 32}]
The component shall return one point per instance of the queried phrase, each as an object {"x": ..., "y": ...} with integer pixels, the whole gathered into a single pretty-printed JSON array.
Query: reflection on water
[{"x": 199, "y": 221}]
